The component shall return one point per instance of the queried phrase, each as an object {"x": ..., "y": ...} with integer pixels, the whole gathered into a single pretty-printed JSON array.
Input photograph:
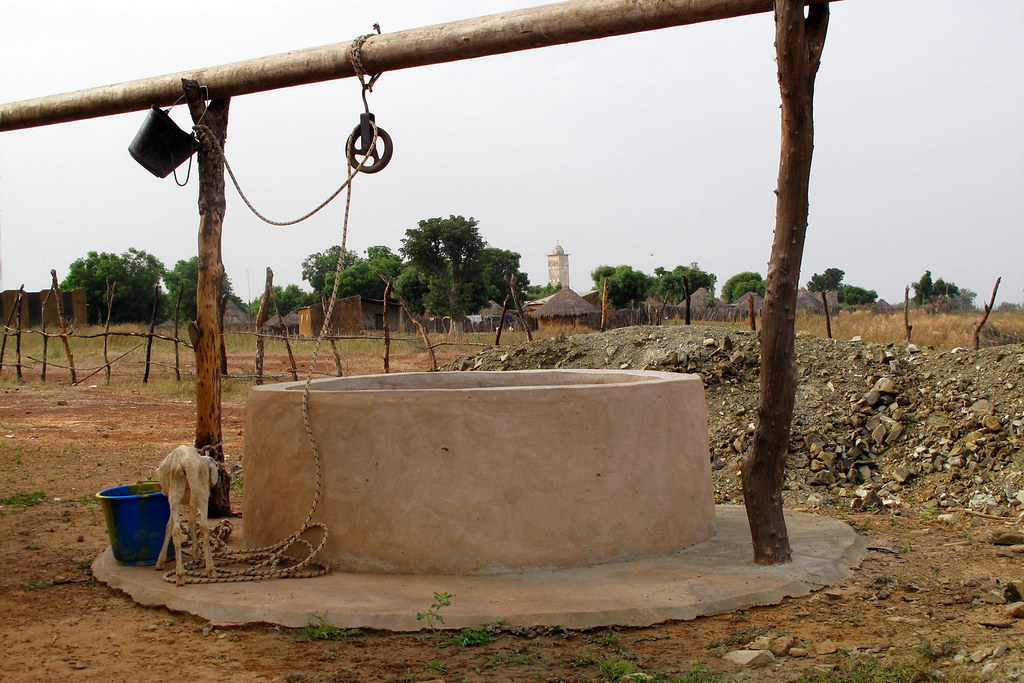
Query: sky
[{"x": 655, "y": 149}]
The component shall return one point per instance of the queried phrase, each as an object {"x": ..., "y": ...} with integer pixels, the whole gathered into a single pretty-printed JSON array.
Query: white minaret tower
[{"x": 558, "y": 266}]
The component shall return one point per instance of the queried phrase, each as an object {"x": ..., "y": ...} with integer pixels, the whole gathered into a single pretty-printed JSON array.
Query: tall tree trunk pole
[
  {"x": 211, "y": 272},
  {"x": 798, "y": 44}
]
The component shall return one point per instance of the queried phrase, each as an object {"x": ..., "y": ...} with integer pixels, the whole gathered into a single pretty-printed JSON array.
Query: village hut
[
  {"x": 741, "y": 303},
  {"x": 565, "y": 308},
  {"x": 593, "y": 297},
  {"x": 235, "y": 317},
  {"x": 883, "y": 307}
]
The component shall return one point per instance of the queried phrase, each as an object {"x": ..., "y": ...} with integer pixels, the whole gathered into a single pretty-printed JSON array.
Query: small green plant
[
  {"x": 471, "y": 637},
  {"x": 318, "y": 628},
  {"x": 907, "y": 548},
  {"x": 497, "y": 659},
  {"x": 867, "y": 670},
  {"x": 433, "y": 614},
  {"x": 434, "y": 665},
  {"x": 696, "y": 674},
  {"x": 615, "y": 669},
  {"x": 22, "y": 499},
  {"x": 35, "y": 585}
]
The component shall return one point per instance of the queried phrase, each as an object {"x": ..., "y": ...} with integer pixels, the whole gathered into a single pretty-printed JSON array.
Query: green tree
[
  {"x": 185, "y": 274},
  {"x": 361, "y": 279},
  {"x": 450, "y": 252},
  {"x": 740, "y": 284},
  {"x": 541, "y": 291},
  {"x": 923, "y": 288},
  {"x": 926, "y": 291},
  {"x": 414, "y": 286},
  {"x": 499, "y": 264},
  {"x": 136, "y": 273},
  {"x": 626, "y": 287},
  {"x": 672, "y": 281},
  {"x": 318, "y": 269},
  {"x": 292, "y": 298},
  {"x": 851, "y": 295},
  {"x": 829, "y": 281}
]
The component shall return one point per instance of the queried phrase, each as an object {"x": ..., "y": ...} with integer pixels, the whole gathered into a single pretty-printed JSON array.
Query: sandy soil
[{"x": 919, "y": 597}]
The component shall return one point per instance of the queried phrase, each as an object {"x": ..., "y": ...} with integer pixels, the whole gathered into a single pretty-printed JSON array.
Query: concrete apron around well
[{"x": 578, "y": 498}]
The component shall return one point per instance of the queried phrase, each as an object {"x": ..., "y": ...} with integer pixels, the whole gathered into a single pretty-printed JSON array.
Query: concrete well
[{"x": 483, "y": 472}]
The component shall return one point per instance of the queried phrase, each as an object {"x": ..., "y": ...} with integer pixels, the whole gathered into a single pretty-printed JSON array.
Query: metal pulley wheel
[{"x": 358, "y": 150}]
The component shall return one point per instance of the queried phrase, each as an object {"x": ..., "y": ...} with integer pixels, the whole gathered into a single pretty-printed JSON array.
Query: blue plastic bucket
[{"x": 136, "y": 518}]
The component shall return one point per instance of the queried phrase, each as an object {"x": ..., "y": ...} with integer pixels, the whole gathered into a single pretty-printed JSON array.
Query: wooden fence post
[
  {"x": 604, "y": 305},
  {"x": 177, "y": 311},
  {"x": 686, "y": 290},
  {"x": 988, "y": 309},
  {"x": 284, "y": 333},
  {"x": 334, "y": 344},
  {"x": 511, "y": 282},
  {"x": 750, "y": 314},
  {"x": 261, "y": 318},
  {"x": 501, "y": 323},
  {"x": 828, "y": 317},
  {"x": 17, "y": 338},
  {"x": 63, "y": 327},
  {"x": 423, "y": 332},
  {"x": 149, "y": 339},
  {"x": 111, "y": 286},
  {"x": 7, "y": 326},
  {"x": 387, "y": 329},
  {"x": 906, "y": 312},
  {"x": 46, "y": 339}
]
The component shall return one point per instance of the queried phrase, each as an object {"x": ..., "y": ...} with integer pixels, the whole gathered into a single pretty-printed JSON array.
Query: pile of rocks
[{"x": 873, "y": 423}]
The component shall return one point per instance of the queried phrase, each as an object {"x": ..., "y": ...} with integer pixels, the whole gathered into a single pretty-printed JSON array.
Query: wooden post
[
  {"x": 604, "y": 304},
  {"x": 423, "y": 332},
  {"x": 387, "y": 328},
  {"x": 152, "y": 327},
  {"x": 330, "y": 332},
  {"x": 906, "y": 312},
  {"x": 63, "y": 327},
  {"x": 798, "y": 42},
  {"x": 828, "y": 316},
  {"x": 501, "y": 323},
  {"x": 988, "y": 309},
  {"x": 750, "y": 314},
  {"x": 111, "y": 286},
  {"x": 220, "y": 336},
  {"x": 661, "y": 311},
  {"x": 17, "y": 335},
  {"x": 511, "y": 282},
  {"x": 261, "y": 318},
  {"x": 284, "y": 333},
  {"x": 177, "y": 311},
  {"x": 686, "y": 291},
  {"x": 212, "y": 203},
  {"x": 7, "y": 326},
  {"x": 46, "y": 339}
]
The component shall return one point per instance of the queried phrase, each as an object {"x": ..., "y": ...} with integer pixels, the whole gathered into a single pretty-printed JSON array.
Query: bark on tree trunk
[
  {"x": 798, "y": 43},
  {"x": 211, "y": 272}
]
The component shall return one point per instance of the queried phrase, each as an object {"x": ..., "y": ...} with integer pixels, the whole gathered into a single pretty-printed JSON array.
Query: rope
[{"x": 273, "y": 562}]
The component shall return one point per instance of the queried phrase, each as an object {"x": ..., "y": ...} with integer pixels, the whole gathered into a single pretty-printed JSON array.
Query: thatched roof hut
[
  {"x": 234, "y": 316},
  {"x": 565, "y": 307}
]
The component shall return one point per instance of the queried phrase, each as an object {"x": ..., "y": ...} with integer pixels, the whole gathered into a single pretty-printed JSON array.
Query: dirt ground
[{"x": 923, "y": 595}]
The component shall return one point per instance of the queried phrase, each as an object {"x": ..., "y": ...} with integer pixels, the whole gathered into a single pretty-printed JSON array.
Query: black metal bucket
[{"x": 160, "y": 146}]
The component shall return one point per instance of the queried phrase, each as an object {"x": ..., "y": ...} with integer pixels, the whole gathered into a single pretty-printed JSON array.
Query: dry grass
[{"x": 943, "y": 331}]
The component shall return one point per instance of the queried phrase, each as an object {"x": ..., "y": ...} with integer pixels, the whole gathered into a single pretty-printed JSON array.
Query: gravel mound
[{"x": 873, "y": 425}]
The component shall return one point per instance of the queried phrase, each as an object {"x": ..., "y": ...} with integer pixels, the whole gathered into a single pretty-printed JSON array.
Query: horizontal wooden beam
[{"x": 523, "y": 29}]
